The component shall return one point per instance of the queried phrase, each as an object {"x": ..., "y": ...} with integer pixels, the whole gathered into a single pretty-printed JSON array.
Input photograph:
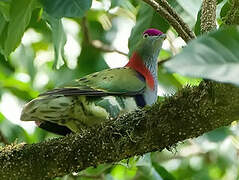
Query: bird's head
[
  {"x": 147, "y": 49},
  {"x": 144, "y": 57},
  {"x": 150, "y": 43}
]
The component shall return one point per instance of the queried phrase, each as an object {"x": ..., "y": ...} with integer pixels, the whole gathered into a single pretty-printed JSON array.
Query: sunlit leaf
[
  {"x": 185, "y": 11},
  {"x": 184, "y": 80},
  {"x": 212, "y": 56},
  {"x": 59, "y": 39},
  {"x": 18, "y": 88},
  {"x": 26, "y": 55},
  {"x": 90, "y": 60},
  {"x": 41, "y": 26},
  {"x": 167, "y": 82},
  {"x": 1, "y": 117},
  {"x": 191, "y": 7},
  {"x": 121, "y": 172}
]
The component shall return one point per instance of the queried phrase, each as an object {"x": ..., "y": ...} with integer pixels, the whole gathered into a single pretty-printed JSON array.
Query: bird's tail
[{"x": 55, "y": 109}]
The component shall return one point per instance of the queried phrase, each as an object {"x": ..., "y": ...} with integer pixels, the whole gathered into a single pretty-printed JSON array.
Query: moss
[
  {"x": 188, "y": 114},
  {"x": 232, "y": 17},
  {"x": 208, "y": 17}
]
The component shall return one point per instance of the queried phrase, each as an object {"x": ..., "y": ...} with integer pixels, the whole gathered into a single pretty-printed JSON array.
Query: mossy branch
[
  {"x": 208, "y": 15},
  {"x": 189, "y": 113}
]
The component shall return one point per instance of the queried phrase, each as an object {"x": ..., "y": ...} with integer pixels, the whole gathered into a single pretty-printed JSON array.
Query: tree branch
[
  {"x": 208, "y": 15},
  {"x": 165, "y": 10},
  {"x": 189, "y": 113}
]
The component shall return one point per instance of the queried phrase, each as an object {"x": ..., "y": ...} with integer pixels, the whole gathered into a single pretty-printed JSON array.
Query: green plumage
[
  {"x": 87, "y": 101},
  {"x": 110, "y": 81},
  {"x": 101, "y": 95}
]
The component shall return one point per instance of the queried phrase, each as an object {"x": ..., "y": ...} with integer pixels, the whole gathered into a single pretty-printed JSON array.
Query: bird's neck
[{"x": 148, "y": 70}]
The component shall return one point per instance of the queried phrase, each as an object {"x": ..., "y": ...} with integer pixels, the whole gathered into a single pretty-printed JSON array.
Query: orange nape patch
[{"x": 137, "y": 64}]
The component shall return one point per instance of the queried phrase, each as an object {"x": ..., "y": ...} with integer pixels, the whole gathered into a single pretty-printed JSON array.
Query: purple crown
[{"x": 152, "y": 32}]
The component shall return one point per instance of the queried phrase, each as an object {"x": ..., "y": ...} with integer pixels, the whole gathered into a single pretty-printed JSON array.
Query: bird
[{"x": 102, "y": 95}]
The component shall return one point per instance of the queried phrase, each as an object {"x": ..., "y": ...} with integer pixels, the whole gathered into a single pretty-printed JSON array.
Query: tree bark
[
  {"x": 189, "y": 113},
  {"x": 208, "y": 15}
]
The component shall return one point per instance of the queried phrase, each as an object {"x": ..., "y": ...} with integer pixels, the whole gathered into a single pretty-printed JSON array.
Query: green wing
[{"x": 124, "y": 81}]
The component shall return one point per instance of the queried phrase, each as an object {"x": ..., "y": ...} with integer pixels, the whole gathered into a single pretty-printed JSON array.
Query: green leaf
[
  {"x": 120, "y": 172},
  {"x": 90, "y": 60},
  {"x": 167, "y": 82},
  {"x": 27, "y": 56},
  {"x": 191, "y": 7},
  {"x": 12, "y": 131},
  {"x": 225, "y": 9},
  {"x": 185, "y": 81},
  {"x": 197, "y": 27},
  {"x": 148, "y": 173},
  {"x": 185, "y": 11},
  {"x": 18, "y": 88},
  {"x": 115, "y": 3},
  {"x": 5, "y": 10},
  {"x": 5, "y": 66},
  {"x": 145, "y": 169},
  {"x": 20, "y": 15},
  {"x": 2, "y": 25},
  {"x": 212, "y": 56},
  {"x": 66, "y": 8},
  {"x": 219, "y": 1},
  {"x": 163, "y": 172},
  {"x": 218, "y": 135},
  {"x": 146, "y": 18},
  {"x": 59, "y": 39}
]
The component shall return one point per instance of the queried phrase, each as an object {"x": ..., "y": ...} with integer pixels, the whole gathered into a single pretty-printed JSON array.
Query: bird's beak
[{"x": 161, "y": 37}]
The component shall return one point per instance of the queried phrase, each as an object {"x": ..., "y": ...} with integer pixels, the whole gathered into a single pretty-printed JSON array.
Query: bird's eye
[{"x": 145, "y": 35}]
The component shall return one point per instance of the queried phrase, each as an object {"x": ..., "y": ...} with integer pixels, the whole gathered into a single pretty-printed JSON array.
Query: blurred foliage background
[{"x": 44, "y": 44}]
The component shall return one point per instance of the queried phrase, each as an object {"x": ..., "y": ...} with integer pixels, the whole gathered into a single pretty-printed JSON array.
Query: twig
[
  {"x": 96, "y": 43},
  {"x": 105, "y": 48},
  {"x": 177, "y": 22},
  {"x": 208, "y": 16},
  {"x": 3, "y": 139}
]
